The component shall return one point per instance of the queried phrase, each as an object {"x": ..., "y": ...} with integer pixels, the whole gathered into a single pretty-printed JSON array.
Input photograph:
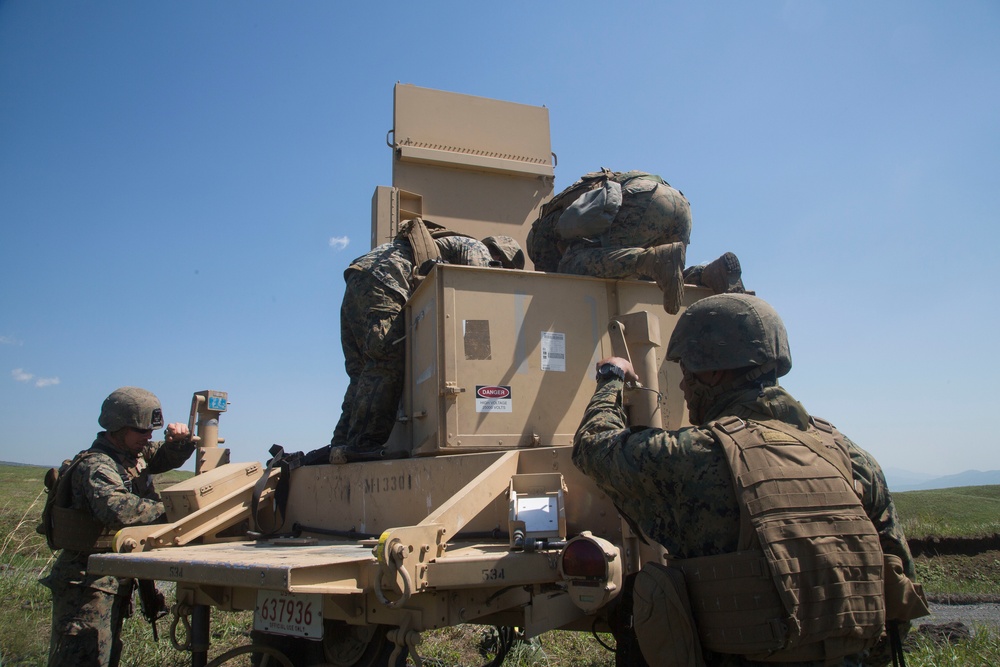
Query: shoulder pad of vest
[
  {"x": 821, "y": 424},
  {"x": 729, "y": 425}
]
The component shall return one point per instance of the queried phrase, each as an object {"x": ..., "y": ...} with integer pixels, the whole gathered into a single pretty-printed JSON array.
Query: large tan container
[
  {"x": 194, "y": 493},
  {"x": 475, "y": 165},
  {"x": 500, "y": 359}
]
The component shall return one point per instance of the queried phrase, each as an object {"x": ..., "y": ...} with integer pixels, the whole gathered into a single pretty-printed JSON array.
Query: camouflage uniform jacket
[
  {"x": 678, "y": 486},
  {"x": 392, "y": 263},
  {"x": 114, "y": 499}
]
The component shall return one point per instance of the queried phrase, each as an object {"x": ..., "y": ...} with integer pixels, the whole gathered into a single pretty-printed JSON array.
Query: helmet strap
[
  {"x": 706, "y": 395},
  {"x": 756, "y": 376}
]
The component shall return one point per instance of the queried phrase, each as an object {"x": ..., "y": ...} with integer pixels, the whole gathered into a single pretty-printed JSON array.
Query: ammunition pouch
[
  {"x": 735, "y": 601},
  {"x": 904, "y": 598},
  {"x": 77, "y": 530},
  {"x": 425, "y": 250},
  {"x": 663, "y": 620}
]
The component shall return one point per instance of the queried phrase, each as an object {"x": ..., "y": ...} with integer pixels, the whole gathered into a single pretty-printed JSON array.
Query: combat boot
[
  {"x": 723, "y": 275},
  {"x": 665, "y": 265}
]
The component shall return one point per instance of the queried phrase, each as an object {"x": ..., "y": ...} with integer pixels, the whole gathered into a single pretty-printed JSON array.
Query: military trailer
[{"x": 477, "y": 513}]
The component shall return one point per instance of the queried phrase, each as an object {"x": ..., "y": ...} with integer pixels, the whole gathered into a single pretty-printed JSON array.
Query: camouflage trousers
[
  {"x": 651, "y": 214},
  {"x": 87, "y": 624},
  {"x": 372, "y": 327},
  {"x": 620, "y": 263},
  {"x": 615, "y": 253},
  {"x": 581, "y": 260}
]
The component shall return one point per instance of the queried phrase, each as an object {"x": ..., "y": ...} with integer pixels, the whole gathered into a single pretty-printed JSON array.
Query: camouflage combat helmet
[
  {"x": 507, "y": 250},
  {"x": 730, "y": 331},
  {"x": 130, "y": 406}
]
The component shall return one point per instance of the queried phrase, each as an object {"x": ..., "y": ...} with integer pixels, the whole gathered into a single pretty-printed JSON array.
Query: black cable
[
  {"x": 351, "y": 534},
  {"x": 593, "y": 631}
]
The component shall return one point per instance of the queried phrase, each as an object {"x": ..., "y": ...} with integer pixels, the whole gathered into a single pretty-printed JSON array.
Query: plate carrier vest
[{"x": 806, "y": 580}]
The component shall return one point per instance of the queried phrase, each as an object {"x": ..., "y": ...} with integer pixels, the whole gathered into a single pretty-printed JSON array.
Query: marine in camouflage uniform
[
  {"x": 652, "y": 213},
  {"x": 646, "y": 239},
  {"x": 677, "y": 485},
  {"x": 372, "y": 330},
  {"x": 110, "y": 482}
]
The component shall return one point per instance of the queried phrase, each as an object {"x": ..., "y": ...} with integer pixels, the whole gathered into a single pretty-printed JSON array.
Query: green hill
[{"x": 967, "y": 511}]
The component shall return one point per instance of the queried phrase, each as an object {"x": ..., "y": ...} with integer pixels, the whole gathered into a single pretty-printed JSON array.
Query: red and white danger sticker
[{"x": 493, "y": 398}]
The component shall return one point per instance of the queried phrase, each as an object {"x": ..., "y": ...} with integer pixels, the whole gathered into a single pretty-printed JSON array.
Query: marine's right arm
[
  {"x": 879, "y": 506},
  {"x": 666, "y": 481},
  {"x": 99, "y": 487}
]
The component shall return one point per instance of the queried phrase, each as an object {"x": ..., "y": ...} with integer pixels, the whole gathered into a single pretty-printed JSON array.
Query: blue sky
[{"x": 172, "y": 174}]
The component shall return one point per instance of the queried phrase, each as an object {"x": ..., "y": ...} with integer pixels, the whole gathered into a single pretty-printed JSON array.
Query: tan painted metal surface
[
  {"x": 502, "y": 359},
  {"x": 479, "y": 166}
]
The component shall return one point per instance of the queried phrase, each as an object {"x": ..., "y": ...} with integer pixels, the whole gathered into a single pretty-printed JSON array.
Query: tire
[
  {"x": 343, "y": 645},
  {"x": 359, "y": 646},
  {"x": 295, "y": 649}
]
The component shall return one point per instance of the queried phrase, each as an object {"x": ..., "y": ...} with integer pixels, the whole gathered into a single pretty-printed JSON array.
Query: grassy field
[
  {"x": 25, "y": 605},
  {"x": 968, "y": 511}
]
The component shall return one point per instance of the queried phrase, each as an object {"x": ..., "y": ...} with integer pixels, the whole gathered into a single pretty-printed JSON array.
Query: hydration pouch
[{"x": 592, "y": 212}]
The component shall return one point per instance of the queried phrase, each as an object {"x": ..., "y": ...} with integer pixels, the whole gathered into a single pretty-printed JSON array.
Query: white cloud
[
  {"x": 339, "y": 242},
  {"x": 19, "y": 375}
]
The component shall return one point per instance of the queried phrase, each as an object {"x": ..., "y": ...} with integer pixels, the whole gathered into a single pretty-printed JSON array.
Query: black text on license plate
[{"x": 289, "y": 614}]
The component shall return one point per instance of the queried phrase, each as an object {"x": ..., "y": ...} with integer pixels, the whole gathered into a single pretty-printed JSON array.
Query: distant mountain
[
  {"x": 900, "y": 480},
  {"x": 23, "y": 465},
  {"x": 967, "y": 478}
]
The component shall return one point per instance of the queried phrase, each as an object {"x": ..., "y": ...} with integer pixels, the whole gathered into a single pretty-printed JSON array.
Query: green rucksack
[
  {"x": 66, "y": 528},
  {"x": 57, "y": 490}
]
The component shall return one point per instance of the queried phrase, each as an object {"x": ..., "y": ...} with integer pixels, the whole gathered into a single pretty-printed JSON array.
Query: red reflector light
[{"x": 583, "y": 558}]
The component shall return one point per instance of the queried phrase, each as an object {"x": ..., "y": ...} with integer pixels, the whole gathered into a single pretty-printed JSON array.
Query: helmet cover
[
  {"x": 730, "y": 331},
  {"x": 508, "y": 250},
  {"x": 131, "y": 407}
]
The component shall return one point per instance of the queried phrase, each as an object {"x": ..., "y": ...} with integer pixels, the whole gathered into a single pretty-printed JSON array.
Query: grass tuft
[{"x": 980, "y": 650}]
